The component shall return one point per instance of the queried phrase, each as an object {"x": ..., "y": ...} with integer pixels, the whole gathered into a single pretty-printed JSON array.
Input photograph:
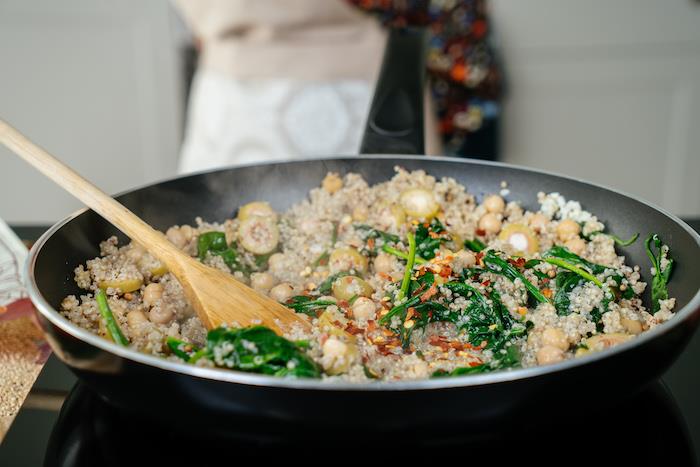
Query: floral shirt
[{"x": 464, "y": 74}]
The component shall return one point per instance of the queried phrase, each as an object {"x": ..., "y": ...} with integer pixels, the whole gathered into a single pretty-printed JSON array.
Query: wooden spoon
[{"x": 217, "y": 297}]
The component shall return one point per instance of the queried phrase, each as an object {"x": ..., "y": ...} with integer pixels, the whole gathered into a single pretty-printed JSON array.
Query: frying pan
[{"x": 171, "y": 390}]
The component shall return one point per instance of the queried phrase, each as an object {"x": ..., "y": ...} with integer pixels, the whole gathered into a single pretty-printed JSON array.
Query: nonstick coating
[{"x": 150, "y": 385}]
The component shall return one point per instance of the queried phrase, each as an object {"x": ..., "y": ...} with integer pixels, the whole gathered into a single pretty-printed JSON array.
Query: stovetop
[
  {"x": 659, "y": 424},
  {"x": 642, "y": 429}
]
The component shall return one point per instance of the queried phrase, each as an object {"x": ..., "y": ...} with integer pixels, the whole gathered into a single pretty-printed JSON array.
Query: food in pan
[{"x": 407, "y": 279}]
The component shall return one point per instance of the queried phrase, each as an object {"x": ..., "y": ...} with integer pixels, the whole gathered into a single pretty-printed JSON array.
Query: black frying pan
[{"x": 173, "y": 390}]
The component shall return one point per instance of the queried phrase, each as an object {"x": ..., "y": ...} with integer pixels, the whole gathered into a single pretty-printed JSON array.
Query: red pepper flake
[
  {"x": 480, "y": 232},
  {"x": 410, "y": 313},
  {"x": 354, "y": 330},
  {"x": 432, "y": 234},
  {"x": 370, "y": 243},
  {"x": 323, "y": 261},
  {"x": 371, "y": 325},
  {"x": 486, "y": 283},
  {"x": 343, "y": 304},
  {"x": 446, "y": 271},
  {"x": 428, "y": 293},
  {"x": 547, "y": 293},
  {"x": 475, "y": 363},
  {"x": 385, "y": 276},
  {"x": 518, "y": 262}
]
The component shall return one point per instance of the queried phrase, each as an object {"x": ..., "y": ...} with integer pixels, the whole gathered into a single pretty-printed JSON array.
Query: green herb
[
  {"x": 409, "y": 266},
  {"x": 258, "y": 349},
  {"x": 572, "y": 258},
  {"x": 498, "y": 265},
  {"x": 307, "y": 305},
  {"x": 616, "y": 239},
  {"x": 182, "y": 349},
  {"x": 371, "y": 232},
  {"x": 661, "y": 276},
  {"x": 575, "y": 269},
  {"x": 401, "y": 254},
  {"x": 475, "y": 245},
  {"x": 327, "y": 285},
  {"x": 110, "y": 323},
  {"x": 566, "y": 282},
  {"x": 214, "y": 243},
  {"x": 368, "y": 373},
  {"x": 462, "y": 371},
  {"x": 427, "y": 244}
]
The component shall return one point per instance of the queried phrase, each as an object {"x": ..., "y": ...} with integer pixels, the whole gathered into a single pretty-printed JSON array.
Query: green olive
[
  {"x": 419, "y": 203},
  {"x": 344, "y": 288},
  {"x": 259, "y": 235},
  {"x": 346, "y": 259},
  {"x": 256, "y": 209},
  {"x": 124, "y": 285}
]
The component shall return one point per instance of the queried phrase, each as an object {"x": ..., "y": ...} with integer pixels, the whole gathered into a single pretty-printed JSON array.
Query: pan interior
[{"x": 215, "y": 196}]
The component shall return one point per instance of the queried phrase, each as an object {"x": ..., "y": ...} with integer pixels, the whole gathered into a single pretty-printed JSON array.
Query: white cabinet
[
  {"x": 97, "y": 83},
  {"x": 607, "y": 91}
]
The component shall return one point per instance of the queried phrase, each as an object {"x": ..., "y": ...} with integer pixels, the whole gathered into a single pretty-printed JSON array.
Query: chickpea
[
  {"x": 555, "y": 338},
  {"x": 364, "y": 309},
  {"x": 549, "y": 354},
  {"x": 384, "y": 263},
  {"x": 135, "y": 319},
  {"x": 345, "y": 259},
  {"x": 576, "y": 245},
  {"x": 338, "y": 356},
  {"x": 332, "y": 182},
  {"x": 539, "y": 222},
  {"x": 347, "y": 287},
  {"x": 360, "y": 213},
  {"x": 152, "y": 293},
  {"x": 176, "y": 237},
  {"x": 567, "y": 229},
  {"x": 276, "y": 261},
  {"x": 632, "y": 326},
  {"x": 464, "y": 259},
  {"x": 282, "y": 292},
  {"x": 490, "y": 223},
  {"x": 495, "y": 204},
  {"x": 262, "y": 281},
  {"x": 161, "y": 314}
]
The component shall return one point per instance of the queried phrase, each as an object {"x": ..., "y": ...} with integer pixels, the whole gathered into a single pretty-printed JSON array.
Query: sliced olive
[
  {"x": 347, "y": 287},
  {"x": 521, "y": 238},
  {"x": 346, "y": 259},
  {"x": 256, "y": 209},
  {"x": 259, "y": 235},
  {"x": 123, "y": 285},
  {"x": 419, "y": 203}
]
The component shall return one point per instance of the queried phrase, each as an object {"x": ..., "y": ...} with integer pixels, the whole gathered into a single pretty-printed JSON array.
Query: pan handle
[{"x": 395, "y": 121}]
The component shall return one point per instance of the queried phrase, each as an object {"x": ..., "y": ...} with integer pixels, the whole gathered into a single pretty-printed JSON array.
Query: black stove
[{"x": 660, "y": 424}]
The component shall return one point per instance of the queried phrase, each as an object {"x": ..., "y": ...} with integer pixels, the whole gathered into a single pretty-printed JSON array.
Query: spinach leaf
[
  {"x": 182, "y": 349},
  {"x": 108, "y": 317},
  {"x": 461, "y": 371},
  {"x": 572, "y": 258},
  {"x": 616, "y": 239},
  {"x": 214, "y": 243},
  {"x": 258, "y": 349},
  {"x": 498, "y": 265},
  {"x": 566, "y": 282},
  {"x": 475, "y": 245},
  {"x": 429, "y": 237},
  {"x": 661, "y": 275},
  {"x": 412, "y": 247},
  {"x": 371, "y": 232},
  {"x": 326, "y": 286},
  {"x": 307, "y": 305}
]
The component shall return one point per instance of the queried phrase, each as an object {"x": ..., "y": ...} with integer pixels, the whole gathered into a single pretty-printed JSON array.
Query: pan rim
[{"x": 252, "y": 379}]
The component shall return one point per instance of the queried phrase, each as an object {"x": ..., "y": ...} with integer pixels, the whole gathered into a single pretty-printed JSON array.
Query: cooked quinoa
[{"x": 492, "y": 286}]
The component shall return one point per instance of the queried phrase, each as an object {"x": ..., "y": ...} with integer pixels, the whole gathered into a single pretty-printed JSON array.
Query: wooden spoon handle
[{"x": 89, "y": 194}]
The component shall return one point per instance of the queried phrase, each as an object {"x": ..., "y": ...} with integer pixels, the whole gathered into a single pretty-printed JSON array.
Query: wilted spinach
[
  {"x": 661, "y": 276},
  {"x": 307, "y": 305}
]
